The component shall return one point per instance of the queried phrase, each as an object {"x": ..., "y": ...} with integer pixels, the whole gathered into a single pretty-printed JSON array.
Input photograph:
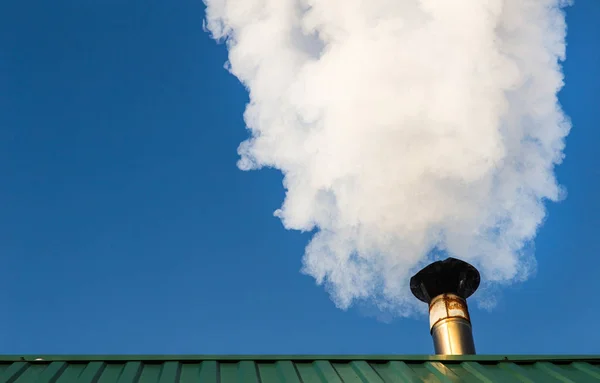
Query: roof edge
[{"x": 265, "y": 357}]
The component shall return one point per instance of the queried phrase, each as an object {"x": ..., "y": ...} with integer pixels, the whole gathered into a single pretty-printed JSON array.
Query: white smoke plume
[{"x": 404, "y": 128}]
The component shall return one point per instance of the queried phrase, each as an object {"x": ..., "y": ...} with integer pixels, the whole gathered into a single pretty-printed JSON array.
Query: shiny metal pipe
[
  {"x": 450, "y": 325},
  {"x": 445, "y": 286}
]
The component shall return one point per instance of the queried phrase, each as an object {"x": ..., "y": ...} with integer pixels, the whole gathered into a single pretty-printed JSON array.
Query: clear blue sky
[{"x": 125, "y": 226}]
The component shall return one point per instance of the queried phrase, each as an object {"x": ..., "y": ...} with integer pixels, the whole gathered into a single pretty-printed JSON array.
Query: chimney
[{"x": 445, "y": 286}]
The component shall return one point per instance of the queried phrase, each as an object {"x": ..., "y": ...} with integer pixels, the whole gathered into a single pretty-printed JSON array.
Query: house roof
[{"x": 298, "y": 369}]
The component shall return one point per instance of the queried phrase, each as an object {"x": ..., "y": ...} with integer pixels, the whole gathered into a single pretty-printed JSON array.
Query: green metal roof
[{"x": 298, "y": 369}]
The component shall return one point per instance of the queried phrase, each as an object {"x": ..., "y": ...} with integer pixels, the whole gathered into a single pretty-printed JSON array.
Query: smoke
[{"x": 405, "y": 129}]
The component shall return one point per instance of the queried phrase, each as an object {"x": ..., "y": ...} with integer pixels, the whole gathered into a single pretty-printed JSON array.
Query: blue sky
[{"x": 125, "y": 226}]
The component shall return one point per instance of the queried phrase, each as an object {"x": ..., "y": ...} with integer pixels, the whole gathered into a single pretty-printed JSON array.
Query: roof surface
[{"x": 298, "y": 369}]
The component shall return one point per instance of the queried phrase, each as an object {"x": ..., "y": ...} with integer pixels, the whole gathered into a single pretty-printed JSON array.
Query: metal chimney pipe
[{"x": 445, "y": 286}]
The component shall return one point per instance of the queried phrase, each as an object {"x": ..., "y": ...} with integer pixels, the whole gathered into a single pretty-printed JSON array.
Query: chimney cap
[{"x": 450, "y": 276}]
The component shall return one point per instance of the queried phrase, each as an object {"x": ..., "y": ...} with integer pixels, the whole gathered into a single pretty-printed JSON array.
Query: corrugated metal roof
[{"x": 298, "y": 369}]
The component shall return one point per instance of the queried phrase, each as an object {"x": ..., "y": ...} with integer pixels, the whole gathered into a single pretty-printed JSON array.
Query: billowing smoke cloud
[{"x": 404, "y": 128}]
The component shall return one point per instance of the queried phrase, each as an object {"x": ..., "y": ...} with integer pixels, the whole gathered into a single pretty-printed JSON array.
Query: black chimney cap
[{"x": 450, "y": 276}]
